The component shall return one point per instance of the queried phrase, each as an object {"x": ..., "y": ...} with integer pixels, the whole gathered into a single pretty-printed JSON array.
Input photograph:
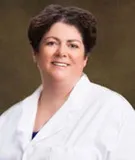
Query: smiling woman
[
  {"x": 61, "y": 57},
  {"x": 67, "y": 117}
]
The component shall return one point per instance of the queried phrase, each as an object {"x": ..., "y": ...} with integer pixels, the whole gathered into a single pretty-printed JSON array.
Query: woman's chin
[{"x": 58, "y": 77}]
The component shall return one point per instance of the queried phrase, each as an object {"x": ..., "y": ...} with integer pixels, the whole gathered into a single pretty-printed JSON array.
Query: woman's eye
[
  {"x": 73, "y": 46},
  {"x": 51, "y": 43}
]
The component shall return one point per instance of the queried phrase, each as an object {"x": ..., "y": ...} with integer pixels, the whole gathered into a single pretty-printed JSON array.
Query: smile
[{"x": 61, "y": 64}]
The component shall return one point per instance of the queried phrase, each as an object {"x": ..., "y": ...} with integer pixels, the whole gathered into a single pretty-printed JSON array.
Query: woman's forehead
[{"x": 64, "y": 31}]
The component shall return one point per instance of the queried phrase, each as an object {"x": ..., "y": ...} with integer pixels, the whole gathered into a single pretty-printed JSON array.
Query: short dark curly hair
[{"x": 82, "y": 19}]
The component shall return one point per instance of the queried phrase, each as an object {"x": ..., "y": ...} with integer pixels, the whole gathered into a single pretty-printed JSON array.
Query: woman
[{"x": 67, "y": 117}]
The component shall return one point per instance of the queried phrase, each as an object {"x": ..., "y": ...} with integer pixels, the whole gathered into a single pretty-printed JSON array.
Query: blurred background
[{"x": 111, "y": 64}]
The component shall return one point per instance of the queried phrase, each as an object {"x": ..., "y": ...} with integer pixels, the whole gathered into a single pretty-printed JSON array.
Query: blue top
[{"x": 34, "y": 134}]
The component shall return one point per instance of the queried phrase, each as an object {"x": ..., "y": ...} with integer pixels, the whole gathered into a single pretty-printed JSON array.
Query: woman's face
[{"x": 61, "y": 54}]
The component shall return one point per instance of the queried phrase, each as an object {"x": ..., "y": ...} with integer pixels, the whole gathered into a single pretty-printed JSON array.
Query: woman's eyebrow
[
  {"x": 57, "y": 39},
  {"x": 46, "y": 38},
  {"x": 74, "y": 40}
]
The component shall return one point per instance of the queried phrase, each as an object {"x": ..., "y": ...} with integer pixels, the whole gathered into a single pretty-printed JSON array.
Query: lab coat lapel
[
  {"x": 65, "y": 115},
  {"x": 68, "y": 112},
  {"x": 26, "y": 122}
]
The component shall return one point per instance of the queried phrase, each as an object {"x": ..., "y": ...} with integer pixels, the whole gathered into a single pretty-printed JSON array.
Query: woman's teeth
[{"x": 60, "y": 64}]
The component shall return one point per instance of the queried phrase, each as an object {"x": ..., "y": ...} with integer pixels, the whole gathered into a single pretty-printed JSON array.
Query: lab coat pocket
[{"x": 75, "y": 153}]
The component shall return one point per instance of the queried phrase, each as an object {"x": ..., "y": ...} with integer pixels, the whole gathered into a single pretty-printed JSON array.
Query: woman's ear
[
  {"x": 85, "y": 60},
  {"x": 34, "y": 57}
]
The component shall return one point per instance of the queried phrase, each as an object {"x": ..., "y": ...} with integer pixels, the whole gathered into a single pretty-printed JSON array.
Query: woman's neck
[
  {"x": 52, "y": 97},
  {"x": 54, "y": 94}
]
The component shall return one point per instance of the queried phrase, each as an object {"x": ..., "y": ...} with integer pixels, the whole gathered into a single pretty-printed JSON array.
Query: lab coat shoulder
[
  {"x": 124, "y": 116},
  {"x": 116, "y": 107},
  {"x": 117, "y": 131},
  {"x": 112, "y": 99},
  {"x": 12, "y": 115}
]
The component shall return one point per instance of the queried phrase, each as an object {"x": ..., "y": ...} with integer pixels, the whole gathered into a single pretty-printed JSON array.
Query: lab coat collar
[
  {"x": 76, "y": 100},
  {"x": 26, "y": 122}
]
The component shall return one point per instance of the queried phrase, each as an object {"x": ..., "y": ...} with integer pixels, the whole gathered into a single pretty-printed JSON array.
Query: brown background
[{"x": 111, "y": 63}]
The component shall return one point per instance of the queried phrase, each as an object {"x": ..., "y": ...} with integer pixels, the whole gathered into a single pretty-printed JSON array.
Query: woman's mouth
[{"x": 61, "y": 64}]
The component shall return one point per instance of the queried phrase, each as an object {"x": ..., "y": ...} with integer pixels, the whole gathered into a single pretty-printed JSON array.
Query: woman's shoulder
[
  {"x": 104, "y": 97},
  {"x": 112, "y": 100},
  {"x": 17, "y": 108},
  {"x": 13, "y": 113}
]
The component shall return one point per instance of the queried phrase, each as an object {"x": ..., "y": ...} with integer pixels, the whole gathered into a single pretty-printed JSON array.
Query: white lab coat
[{"x": 95, "y": 123}]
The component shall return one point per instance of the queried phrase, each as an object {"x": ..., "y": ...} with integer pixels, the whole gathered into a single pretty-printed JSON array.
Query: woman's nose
[{"x": 62, "y": 51}]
